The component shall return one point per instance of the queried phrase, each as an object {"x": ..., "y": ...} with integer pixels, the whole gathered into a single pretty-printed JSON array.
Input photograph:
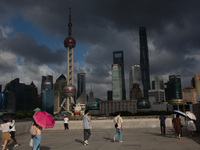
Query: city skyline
[{"x": 32, "y": 35}]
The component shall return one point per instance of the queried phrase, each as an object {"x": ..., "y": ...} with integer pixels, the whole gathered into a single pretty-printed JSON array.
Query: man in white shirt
[
  {"x": 86, "y": 127},
  {"x": 118, "y": 119}
]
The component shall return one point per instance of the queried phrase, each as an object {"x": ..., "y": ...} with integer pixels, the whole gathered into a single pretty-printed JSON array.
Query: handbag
[
  {"x": 33, "y": 130},
  {"x": 31, "y": 143},
  {"x": 116, "y": 124}
]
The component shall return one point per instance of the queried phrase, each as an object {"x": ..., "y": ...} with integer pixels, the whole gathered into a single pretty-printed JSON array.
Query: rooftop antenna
[{"x": 70, "y": 23}]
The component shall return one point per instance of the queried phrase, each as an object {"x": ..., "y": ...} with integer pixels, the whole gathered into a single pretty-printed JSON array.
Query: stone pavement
[{"x": 134, "y": 139}]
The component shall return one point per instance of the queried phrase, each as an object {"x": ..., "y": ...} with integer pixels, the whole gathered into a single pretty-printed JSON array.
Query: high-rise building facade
[
  {"x": 117, "y": 82},
  {"x": 44, "y": 79},
  {"x": 158, "y": 83},
  {"x": 189, "y": 94},
  {"x": 134, "y": 77},
  {"x": 81, "y": 84},
  {"x": 91, "y": 94},
  {"x": 159, "y": 95},
  {"x": 22, "y": 95},
  {"x": 48, "y": 98},
  {"x": 175, "y": 89},
  {"x": 109, "y": 95},
  {"x": 35, "y": 99},
  {"x": 118, "y": 58},
  {"x": 59, "y": 96},
  {"x": 144, "y": 61},
  {"x": 197, "y": 83},
  {"x": 135, "y": 92}
]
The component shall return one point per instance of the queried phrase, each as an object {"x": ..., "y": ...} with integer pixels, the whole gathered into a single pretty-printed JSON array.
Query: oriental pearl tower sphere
[{"x": 70, "y": 43}]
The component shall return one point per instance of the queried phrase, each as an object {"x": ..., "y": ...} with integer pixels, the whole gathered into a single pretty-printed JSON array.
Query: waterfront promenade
[{"x": 101, "y": 139}]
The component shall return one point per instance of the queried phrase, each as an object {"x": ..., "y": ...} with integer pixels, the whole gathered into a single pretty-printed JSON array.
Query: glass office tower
[
  {"x": 118, "y": 58},
  {"x": 144, "y": 61},
  {"x": 81, "y": 84},
  {"x": 116, "y": 82},
  {"x": 175, "y": 87}
]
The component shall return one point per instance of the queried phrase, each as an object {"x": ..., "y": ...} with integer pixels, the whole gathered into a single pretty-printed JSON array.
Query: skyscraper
[
  {"x": 81, "y": 84},
  {"x": 59, "y": 96},
  {"x": 44, "y": 78},
  {"x": 134, "y": 77},
  {"x": 118, "y": 58},
  {"x": 144, "y": 61},
  {"x": 197, "y": 83},
  {"x": 22, "y": 98},
  {"x": 47, "y": 98},
  {"x": 158, "y": 83},
  {"x": 175, "y": 87},
  {"x": 116, "y": 82}
]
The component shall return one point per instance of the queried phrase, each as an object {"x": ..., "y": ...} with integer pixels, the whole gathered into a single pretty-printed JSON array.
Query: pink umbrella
[{"x": 44, "y": 119}]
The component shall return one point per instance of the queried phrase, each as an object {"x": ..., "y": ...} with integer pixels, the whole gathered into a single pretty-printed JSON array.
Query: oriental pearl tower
[{"x": 69, "y": 90}]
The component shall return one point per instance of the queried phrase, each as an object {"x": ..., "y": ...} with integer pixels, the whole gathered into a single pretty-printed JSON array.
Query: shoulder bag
[{"x": 33, "y": 130}]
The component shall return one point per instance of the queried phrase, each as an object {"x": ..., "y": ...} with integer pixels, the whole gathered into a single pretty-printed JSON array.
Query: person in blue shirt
[{"x": 162, "y": 123}]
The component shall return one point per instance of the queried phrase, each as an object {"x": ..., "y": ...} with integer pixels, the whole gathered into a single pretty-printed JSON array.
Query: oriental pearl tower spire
[{"x": 70, "y": 89}]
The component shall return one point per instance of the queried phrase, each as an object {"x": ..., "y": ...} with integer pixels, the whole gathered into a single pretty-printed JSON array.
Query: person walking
[
  {"x": 12, "y": 132},
  {"x": 162, "y": 119},
  {"x": 190, "y": 126},
  {"x": 66, "y": 119},
  {"x": 119, "y": 128},
  {"x": 177, "y": 126},
  {"x": 37, "y": 138},
  {"x": 5, "y": 133},
  {"x": 86, "y": 127}
]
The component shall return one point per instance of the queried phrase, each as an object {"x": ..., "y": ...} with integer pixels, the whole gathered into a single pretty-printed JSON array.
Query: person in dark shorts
[{"x": 162, "y": 123}]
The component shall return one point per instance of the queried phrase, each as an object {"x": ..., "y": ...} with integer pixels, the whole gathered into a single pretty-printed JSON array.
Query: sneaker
[
  {"x": 16, "y": 145},
  {"x": 113, "y": 139},
  {"x": 86, "y": 142},
  {"x": 120, "y": 141}
]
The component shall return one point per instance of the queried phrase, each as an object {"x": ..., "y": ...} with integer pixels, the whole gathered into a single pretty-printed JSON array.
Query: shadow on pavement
[
  {"x": 44, "y": 148},
  {"x": 195, "y": 138},
  {"x": 109, "y": 139},
  {"x": 79, "y": 141}
]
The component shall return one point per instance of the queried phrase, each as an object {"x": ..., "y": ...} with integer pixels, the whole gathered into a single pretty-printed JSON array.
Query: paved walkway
[{"x": 134, "y": 139}]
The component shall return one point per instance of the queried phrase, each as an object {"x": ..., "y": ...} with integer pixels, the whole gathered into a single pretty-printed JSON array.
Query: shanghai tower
[{"x": 144, "y": 61}]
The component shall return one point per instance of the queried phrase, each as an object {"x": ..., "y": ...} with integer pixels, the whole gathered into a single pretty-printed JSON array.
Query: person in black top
[{"x": 162, "y": 123}]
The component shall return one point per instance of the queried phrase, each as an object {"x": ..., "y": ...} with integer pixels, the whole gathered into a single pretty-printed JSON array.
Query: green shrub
[
  {"x": 25, "y": 114},
  {"x": 123, "y": 113},
  {"x": 147, "y": 113}
]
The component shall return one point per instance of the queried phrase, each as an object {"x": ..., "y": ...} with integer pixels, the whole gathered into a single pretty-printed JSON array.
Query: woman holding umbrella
[
  {"x": 42, "y": 119},
  {"x": 38, "y": 137}
]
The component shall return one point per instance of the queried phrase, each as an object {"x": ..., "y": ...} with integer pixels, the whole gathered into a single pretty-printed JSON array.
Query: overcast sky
[{"x": 32, "y": 35}]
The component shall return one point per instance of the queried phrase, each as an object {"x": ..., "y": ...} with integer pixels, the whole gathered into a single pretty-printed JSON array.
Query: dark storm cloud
[
  {"x": 111, "y": 25},
  {"x": 26, "y": 46}
]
